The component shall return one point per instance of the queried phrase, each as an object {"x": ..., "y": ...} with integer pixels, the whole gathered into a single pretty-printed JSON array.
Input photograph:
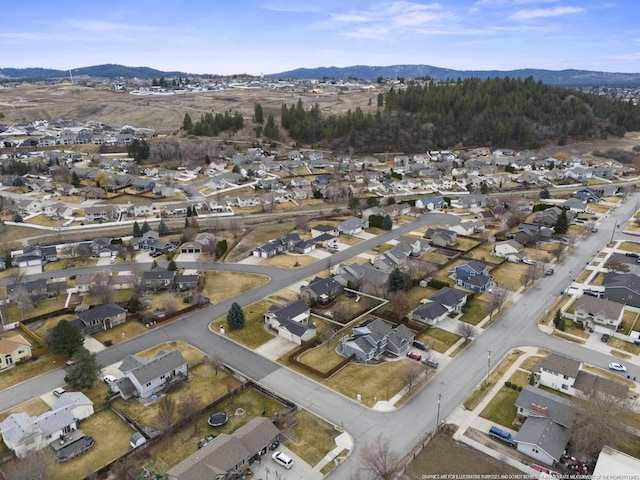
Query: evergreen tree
[
  {"x": 172, "y": 267},
  {"x": 387, "y": 223},
  {"x": 75, "y": 179},
  {"x": 187, "y": 123},
  {"x": 258, "y": 115},
  {"x": 271, "y": 130},
  {"x": 484, "y": 188},
  {"x": 397, "y": 281},
  {"x": 84, "y": 371},
  {"x": 163, "y": 229},
  {"x": 145, "y": 228},
  {"x": 189, "y": 211},
  {"x": 221, "y": 247},
  {"x": 562, "y": 223},
  {"x": 186, "y": 222},
  {"x": 137, "y": 233},
  {"x": 544, "y": 194},
  {"x": 134, "y": 304},
  {"x": 66, "y": 338},
  {"x": 235, "y": 317},
  {"x": 559, "y": 321}
]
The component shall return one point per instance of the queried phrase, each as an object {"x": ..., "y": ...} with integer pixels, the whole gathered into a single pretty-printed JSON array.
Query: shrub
[
  {"x": 438, "y": 284},
  {"x": 507, "y": 384},
  {"x": 519, "y": 388},
  {"x": 514, "y": 386},
  {"x": 107, "y": 343}
]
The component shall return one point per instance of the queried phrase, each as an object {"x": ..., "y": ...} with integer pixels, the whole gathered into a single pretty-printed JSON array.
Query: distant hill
[
  {"x": 98, "y": 71},
  {"x": 551, "y": 77}
]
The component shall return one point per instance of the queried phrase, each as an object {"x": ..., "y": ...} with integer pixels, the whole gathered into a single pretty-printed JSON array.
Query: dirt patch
[{"x": 445, "y": 456}]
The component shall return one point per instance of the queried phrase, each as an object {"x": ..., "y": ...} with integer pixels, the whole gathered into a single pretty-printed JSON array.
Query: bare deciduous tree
[
  {"x": 498, "y": 297},
  {"x": 528, "y": 276},
  {"x": 166, "y": 413},
  {"x": 466, "y": 330},
  {"x": 100, "y": 287},
  {"x": 398, "y": 306},
  {"x": 188, "y": 407},
  {"x": 410, "y": 374},
  {"x": 379, "y": 459},
  {"x": 600, "y": 417},
  {"x": 616, "y": 266},
  {"x": 215, "y": 361},
  {"x": 36, "y": 465}
]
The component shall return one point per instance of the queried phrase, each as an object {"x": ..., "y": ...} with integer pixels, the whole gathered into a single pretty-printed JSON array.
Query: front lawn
[
  {"x": 220, "y": 286},
  {"x": 439, "y": 340},
  {"x": 253, "y": 334},
  {"x": 189, "y": 353},
  {"x": 372, "y": 382},
  {"x": 509, "y": 274},
  {"x": 288, "y": 261},
  {"x": 502, "y": 409},
  {"x": 315, "y": 437},
  {"x": 121, "y": 332},
  {"x": 475, "y": 310},
  {"x": 323, "y": 357},
  {"x": 30, "y": 369}
]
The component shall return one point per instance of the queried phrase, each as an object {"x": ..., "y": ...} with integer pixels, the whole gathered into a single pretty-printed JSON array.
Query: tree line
[{"x": 210, "y": 124}]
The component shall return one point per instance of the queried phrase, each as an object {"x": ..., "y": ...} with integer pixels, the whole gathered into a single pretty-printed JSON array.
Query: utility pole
[
  {"x": 488, "y": 367},
  {"x": 613, "y": 231},
  {"x": 438, "y": 415}
]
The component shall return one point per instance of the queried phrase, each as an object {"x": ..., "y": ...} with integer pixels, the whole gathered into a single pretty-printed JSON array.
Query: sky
[{"x": 271, "y": 36}]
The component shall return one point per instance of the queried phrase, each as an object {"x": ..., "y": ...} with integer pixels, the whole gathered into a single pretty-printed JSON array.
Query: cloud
[{"x": 530, "y": 14}]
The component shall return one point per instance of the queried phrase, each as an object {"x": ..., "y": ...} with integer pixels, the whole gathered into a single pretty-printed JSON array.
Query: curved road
[{"x": 407, "y": 425}]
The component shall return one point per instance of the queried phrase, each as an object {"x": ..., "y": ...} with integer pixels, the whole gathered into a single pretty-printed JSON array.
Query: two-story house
[
  {"x": 321, "y": 291},
  {"x": 374, "y": 337},
  {"x": 598, "y": 315},
  {"x": 13, "y": 349},
  {"x": 143, "y": 377},
  {"x": 442, "y": 303},
  {"x": 511, "y": 250},
  {"x": 441, "y": 237},
  {"x": 473, "y": 275}
]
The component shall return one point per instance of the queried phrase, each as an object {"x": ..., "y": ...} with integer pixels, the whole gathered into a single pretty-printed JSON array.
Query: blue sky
[{"x": 269, "y": 36}]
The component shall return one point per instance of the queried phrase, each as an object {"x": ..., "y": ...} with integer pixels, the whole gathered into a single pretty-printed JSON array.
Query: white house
[
  {"x": 598, "y": 315},
  {"x": 143, "y": 378},
  {"x": 509, "y": 249}
]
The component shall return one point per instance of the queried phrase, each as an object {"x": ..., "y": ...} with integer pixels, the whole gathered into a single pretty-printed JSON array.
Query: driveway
[
  {"x": 275, "y": 348},
  {"x": 268, "y": 469}
]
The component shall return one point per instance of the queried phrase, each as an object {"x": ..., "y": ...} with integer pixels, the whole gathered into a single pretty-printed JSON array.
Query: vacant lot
[
  {"x": 219, "y": 286},
  {"x": 445, "y": 456}
]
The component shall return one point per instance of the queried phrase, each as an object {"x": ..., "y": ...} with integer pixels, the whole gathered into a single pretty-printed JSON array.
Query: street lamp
[{"x": 488, "y": 367}]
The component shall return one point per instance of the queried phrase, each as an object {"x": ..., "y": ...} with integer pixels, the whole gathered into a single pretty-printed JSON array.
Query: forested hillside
[{"x": 507, "y": 113}]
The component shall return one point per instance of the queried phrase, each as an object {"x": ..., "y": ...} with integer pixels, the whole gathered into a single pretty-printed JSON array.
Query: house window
[
  {"x": 148, "y": 384},
  {"x": 20, "y": 352},
  {"x": 162, "y": 377},
  {"x": 565, "y": 386},
  {"x": 566, "y": 377}
]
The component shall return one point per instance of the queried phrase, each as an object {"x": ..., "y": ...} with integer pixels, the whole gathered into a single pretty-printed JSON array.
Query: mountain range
[{"x": 362, "y": 72}]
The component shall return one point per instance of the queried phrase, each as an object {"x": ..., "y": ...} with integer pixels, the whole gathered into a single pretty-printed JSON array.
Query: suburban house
[
  {"x": 622, "y": 288},
  {"x": 355, "y": 275},
  {"x": 33, "y": 288},
  {"x": 473, "y": 275},
  {"x": 587, "y": 195},
  {"x": 101, "y": 317},
  {"x": 431, "y": 203},
  {"x": 321, "y": 291},
  {"x": 565, "y": 375},
  {"x": 511, "y": 250},
  {"x": 24, "y": 434},
  {"x": 190, "y": 247},
  {"x": 46, "y": 254},
  {"x": 290, "y": 242},
  {"x": 549, "y": 217},
  {"x": 441, "y": 237},
  {"x": 610, "y": 460},
  {"x": 143, "y": 377},
  {"x": 101, "y": 213},
  {"x": 598, "y": 315},
  {"x": 322, "y": 229},
  {"x": 389, "y": 260},
  {"x": 158, "y": 278},
  {"x": 13, "y": 349},
  {"x": 374, "y": 337},
  {"x": 575, "y": 205},
  {"x": 547, "y": 421},
  {"x": 141, "y": 209},
  {"x": 58, "y": 210},
  {"x": 353, "y": 226},
  {"x": 186, "y": 282},
  {"x": 291, "y": 321},
  {"x": 439, "y": 305},
  {"x": 468, "y": 227},
  {"x": 227, "y": 456}
]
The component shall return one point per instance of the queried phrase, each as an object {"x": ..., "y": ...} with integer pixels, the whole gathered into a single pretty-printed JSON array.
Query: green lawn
[
  {"x": 501, "y": 409},
  {"x": 314, "y": 437},
  {"x": 475, "y": 310},
  {"x": 253, "y": 334},
  {"x": 439, "y": 340}
]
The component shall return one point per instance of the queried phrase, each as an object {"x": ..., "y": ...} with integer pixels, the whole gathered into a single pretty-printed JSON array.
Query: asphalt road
[{"x": 407, "y": 425}]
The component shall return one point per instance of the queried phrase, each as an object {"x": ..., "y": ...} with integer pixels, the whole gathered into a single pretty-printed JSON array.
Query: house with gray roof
[
  {"x": 25, "y": 434},
  {"x": 227, "y": 456},
  {"x": 371, "y": 339},
  {"x": 473, "y": 275},
  {"x": 441, "y": 237},
  {"x": 143, "y": 377},
  {"x": 547, "y": 421},
  {"x": 158, "y": 278},
  {"x": 622, "y": 288},
  {"x": 100, "y": 317},
  {"x": 321, "y": 290},
  {"x": 291, "y": 321},
  {"x": 598, "y": 314},
  {"x": 442, "y": 303},
  {"x": 353, "y": 226}
]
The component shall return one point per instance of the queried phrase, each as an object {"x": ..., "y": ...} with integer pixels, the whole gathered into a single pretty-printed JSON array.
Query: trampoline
[{"x": 218, "y": 419}]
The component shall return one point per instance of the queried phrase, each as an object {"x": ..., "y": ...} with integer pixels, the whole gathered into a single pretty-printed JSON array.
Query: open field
[
  {"x": 288, "y": 261},
  {"x": 220, "y": 286}
]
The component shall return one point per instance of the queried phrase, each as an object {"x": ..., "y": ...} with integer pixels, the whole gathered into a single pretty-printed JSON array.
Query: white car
[
  {"x": 281, "y": 459},
  {"x": 528, "y": 261},
  {"x": 109, "y": 379},
  {"x": 58, "y": 392},
  {"x": 617, "y": 367}
]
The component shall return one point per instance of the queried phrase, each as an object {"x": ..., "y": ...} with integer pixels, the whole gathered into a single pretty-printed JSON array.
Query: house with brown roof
[
  {"x": 228, "y": 455},
  {"x": 13, "y": 349}
]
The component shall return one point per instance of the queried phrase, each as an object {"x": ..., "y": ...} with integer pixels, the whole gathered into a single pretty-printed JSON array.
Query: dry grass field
[{"x": 162, "y": 113}]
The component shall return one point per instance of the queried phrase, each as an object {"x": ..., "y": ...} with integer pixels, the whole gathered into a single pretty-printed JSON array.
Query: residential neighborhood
[{"x": 374, "y": 273}]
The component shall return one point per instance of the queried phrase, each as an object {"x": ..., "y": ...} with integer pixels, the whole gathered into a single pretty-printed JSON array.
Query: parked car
[
  {"x": 605, "y": 337},
  {"x": 420, "y": 345},
  {"x": 414, "y": 356},
  {"x": 549, "y": 271},
  {"x": 632, "y": 254},
  {"x": 591, "y": 293},
  {"x": 70, "y": 363},
  {"x": 282, "y": 459},
  {"x": 430, "y": 363},
  {"x": 59, "y": 391},
  {"x": 109, "y": 379},
  {"x": 618, "y": 367},
  {"x": 528, "y": 261}
]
